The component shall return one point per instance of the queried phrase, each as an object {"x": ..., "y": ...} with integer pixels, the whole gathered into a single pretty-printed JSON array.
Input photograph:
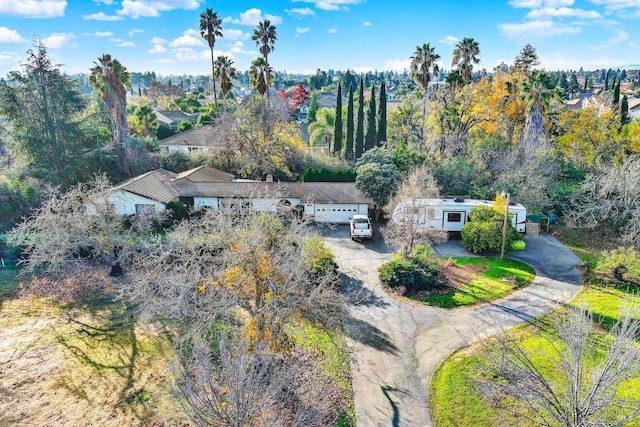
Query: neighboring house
[
  {"x": 634, "y": 107},
  {"x": 328, "y": 202},
  {"x": 197, "y": 139},
  {"x": 325, "y": 100},
  {"x": 173, "y": 118},
  {"x": 579, "y": 102}
]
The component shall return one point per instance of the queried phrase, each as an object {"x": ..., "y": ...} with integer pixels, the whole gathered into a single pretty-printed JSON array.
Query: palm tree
[
  {"x": 466, "y": 54},
  {"x": 226, "y": 72},
  {"x": 423, "y": 67},
  {"x": 110, "y": 79},
  {"x": 210, "y": 28},
  {"x": 146, "y": 120},
  {"x": 323, "y": 128},
  {"x": 537, "y": 92},
  {"x": 261, "y": 75},
  {"x": 265, "y": 36}
]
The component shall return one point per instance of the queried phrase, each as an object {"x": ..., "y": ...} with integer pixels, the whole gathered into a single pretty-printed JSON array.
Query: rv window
[{"x": 454, "y": 217}]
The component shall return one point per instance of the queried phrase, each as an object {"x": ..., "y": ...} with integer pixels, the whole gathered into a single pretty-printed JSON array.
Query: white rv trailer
[{"x": 449, "y": 214}]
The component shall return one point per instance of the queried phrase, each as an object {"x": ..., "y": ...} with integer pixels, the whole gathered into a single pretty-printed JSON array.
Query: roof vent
[
  {"x": 458, "y": 199},
  {"x": 269, "y": 178}
]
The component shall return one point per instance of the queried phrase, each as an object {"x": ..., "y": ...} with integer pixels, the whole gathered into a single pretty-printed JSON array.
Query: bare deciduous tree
[
  {"x": 239, "y": 386},
  {"x": 79, "y": 226},
  {"x": 419, "y": 184},
  {"x": 611, "y": 193},
  {"x": 578, "y": 385}
]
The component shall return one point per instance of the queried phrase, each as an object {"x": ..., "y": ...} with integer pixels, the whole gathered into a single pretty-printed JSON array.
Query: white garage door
[{"x": 337, "y": 214}]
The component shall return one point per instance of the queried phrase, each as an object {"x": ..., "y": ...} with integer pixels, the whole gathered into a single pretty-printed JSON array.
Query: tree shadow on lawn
[{"x": 106, "y": 351}]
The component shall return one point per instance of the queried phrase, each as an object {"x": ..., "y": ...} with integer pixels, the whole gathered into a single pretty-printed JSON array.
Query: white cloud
[
  {"x": 191, "y": 55},
  {"x": 191, "y": 32},
  {"x": 300, "y": 12},
  {"x": 7, "y": 56},
  {"x": 99, "y": 34},
  {"x": 238, "y": 47},
  {"x": 231, "y": 34},
  {"x": 252, "y": 17},
  {"x": 127, "y": 44},
  {"x": 563, "y": 12},
  {"x": 526, "y": 3},
  {"x": 614, "y": 5},
  {"x": 397, "y": 64},
  {"x": 101, "y": 17},
  {"x": 537, "y": 29},
  {"x": 146, "y": 8},
  {"x": 10, "y": 36},
  {"x": 187, "y": 40},
  {"x": 59, "y": 40},
  {"x": 107, "y": 2},
  {"x": 450, "y": 40},
  {"x": 332, "y": 30},
  {"x": 116, "y": 40},
  {"x": 165, "y": 61},
  {"x": 332, "y": 4},
  {"x": 302, "y": 30},
  {"x": 134, "y": 31},
  {"x": 367, "y": 24},
  {"x": 364, "y": 69},
  {"x": 158, "y": 48},
  {"x": 620, "y": 37},
  {"x": 558, "y": 3},
  {"x": 33, "y": 8},
  {"x": 158, "y": 40},
  {"x": 561, "y": 61}
]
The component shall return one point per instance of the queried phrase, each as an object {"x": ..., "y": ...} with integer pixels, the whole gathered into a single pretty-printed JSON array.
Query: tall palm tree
[
  {"x": 210, "y": 28},
  {"x": 226, "y": 72},
  {"x": 322, "y": 130},
  {"x": 261, "y": 75},
  {"x": 265, "y": 36},
  {"x": 423, "y": 67},
  {"x": 466, "y": 53},
  {"x": 537, "y": 92},
  {"x": 110, "y": 79}
]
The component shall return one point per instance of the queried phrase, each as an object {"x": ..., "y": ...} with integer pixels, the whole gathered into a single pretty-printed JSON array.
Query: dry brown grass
[{"x": 82, "y": 367}]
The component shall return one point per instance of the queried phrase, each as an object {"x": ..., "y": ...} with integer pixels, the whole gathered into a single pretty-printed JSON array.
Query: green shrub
[
  {"x": 328, "y": 175},
  {"x": 417, "y": 272},
  {"x": 484, "y": 231},
  {"x": 620, "y": 265}
]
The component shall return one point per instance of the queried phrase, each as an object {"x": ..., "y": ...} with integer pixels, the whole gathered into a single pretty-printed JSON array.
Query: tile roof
[
  {"x": 197, "y": 137},
  {"x": 206, "y": 174},
  {"x": 153, "y": 185}
]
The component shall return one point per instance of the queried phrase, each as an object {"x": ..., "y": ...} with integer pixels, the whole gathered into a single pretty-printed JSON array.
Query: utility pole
[{"x": 504, "y": 228}]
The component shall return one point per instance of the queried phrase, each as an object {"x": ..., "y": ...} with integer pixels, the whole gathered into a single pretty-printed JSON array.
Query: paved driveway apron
[{"x": 396, "y": 346}]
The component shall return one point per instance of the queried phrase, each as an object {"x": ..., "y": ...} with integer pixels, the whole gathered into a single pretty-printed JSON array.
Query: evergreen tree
[
  {"x": 359, "y": 142},
  {"x": 382, "y": 115},
  {"x": 371, "y": 138},
  {"x": 313, "y": 107},
  {"x": 624, "y": 111},
  {"x": 337, "y": 133},
  {"x": 526, "y": 59},
  {"x": 586, "y": 83},
  {"x": 606, "y": 79},
  {"x": 616, "y": 92},
  {"x": 348, "y": 149}
]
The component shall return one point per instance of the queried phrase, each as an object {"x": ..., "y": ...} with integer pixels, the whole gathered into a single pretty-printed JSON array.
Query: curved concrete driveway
[{"x": 395, "y": 346}]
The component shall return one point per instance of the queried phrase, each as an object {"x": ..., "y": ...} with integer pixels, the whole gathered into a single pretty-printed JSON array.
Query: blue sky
[{"x": 361, "y": 35}]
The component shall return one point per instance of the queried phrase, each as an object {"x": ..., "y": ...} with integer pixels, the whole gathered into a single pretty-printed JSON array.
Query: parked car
[{"x": 361, "y": 228}]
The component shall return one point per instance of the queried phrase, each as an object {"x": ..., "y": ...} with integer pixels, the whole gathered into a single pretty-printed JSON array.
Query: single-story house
[
  {"x": 173, "y": 118},
  {"x": 326, "y": 202},
  {"x": 197, "y": 139}
]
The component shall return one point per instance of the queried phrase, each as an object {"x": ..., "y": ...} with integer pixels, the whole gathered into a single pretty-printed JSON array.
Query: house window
[
  {"x": 145, "y": 209},
  {"x": 454, "y": 217}
]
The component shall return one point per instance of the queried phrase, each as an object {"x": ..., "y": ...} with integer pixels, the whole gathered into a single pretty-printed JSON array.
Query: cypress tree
[
  {"x": 616, "y": 92},
  {"x": 337, "y": 132},
  {"x": 348, "y": 149},
  {"x": 382, "y": 115},
  {"x": 606, "y": 80},
  {"x": 371, "y": 139},
  {"x": 359, "y": 143},
  {"x": 624, "y": 111}
]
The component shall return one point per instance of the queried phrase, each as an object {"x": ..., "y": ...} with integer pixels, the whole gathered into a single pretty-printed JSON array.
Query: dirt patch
[{"x": 452, "y": 276}]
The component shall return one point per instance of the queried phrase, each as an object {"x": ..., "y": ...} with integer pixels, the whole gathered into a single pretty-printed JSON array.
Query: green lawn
[
  {"x": 479, "y": 280},
  {"x": 455, "y": 397}
]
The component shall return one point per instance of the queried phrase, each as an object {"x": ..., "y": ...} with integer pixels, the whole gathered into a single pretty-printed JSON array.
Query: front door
[{"x": 454, "y": 220}]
